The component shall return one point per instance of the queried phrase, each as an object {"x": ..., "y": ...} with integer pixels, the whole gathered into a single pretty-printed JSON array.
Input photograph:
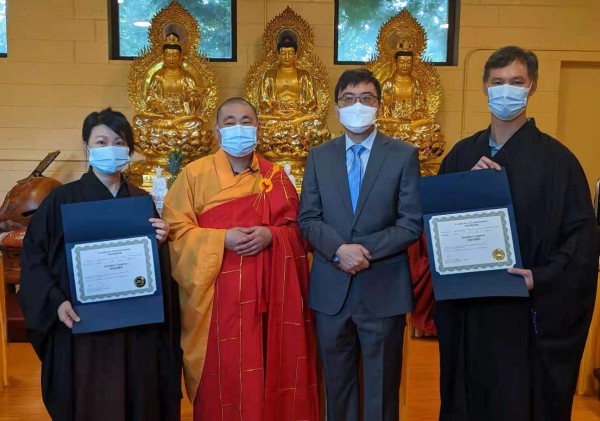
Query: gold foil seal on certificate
[
  {"x": 498, "y": 254},
  {"x": 139, "y": 281}
]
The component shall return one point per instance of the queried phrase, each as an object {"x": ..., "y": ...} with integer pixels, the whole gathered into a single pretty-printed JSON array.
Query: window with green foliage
[
  {"x": 130, "y": 20},
  {"x": 358, "y": 22},
  {"x": 3, "y": 48}
]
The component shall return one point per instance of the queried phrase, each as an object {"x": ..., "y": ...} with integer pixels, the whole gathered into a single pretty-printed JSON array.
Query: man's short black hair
[
  {"x": 114, "y": 120},
  {"x": 353, "y": 77},
  {"x": 287, "y": 41},
  {"x": 235, "y": 100},
  {"x": 506, "y": 55},
  {"x": 171, "y": 47},
  {"x": 404, "y": 54}
]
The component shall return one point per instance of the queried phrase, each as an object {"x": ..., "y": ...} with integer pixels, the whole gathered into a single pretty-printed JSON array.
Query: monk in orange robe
[{"x": 239, "y": 259}]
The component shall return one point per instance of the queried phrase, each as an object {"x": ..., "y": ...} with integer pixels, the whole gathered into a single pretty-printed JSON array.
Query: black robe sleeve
[
  {"x": 41, "y": 293},
  {"x": 568, "y": 276}
]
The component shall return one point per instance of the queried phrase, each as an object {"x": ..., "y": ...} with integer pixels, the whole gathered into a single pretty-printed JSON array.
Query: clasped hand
[
  {"x": 248, "y": 241},
  {"x": 353, "y": 258}
]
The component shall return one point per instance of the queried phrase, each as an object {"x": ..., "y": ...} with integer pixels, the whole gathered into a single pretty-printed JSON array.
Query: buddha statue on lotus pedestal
[
  {"x": 287, "y": 92},
  {"x": 411, "y": 89},
  {"x": 289, "y": 88},
  {"x": 173, "y": 92},
  {"x": 173, "y": 102}
]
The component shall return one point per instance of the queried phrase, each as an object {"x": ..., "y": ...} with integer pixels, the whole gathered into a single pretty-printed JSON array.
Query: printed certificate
[
  {"x": 476, "y": 241},
  {"x": 112, "y": 270}
]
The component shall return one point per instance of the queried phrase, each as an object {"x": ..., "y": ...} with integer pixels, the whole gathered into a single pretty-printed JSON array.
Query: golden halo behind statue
[
  {"x": 400, "y": 41},
  {"x": 390, "y": 36},
  {"x": 176, "y": 28},
  {"x": 184, "y": 24},
  {"x": 288, "y": 32},
  {"x": 288, "y": 22}
]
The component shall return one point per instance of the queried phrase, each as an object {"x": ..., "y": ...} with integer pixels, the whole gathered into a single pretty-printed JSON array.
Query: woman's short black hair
[
  {"x": 114, "y": 120},
  {"x": 353, "y": 77}
]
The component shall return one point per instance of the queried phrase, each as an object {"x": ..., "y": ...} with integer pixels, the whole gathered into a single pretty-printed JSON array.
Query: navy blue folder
[
  {"x": 109, "y": 220},
  {"x": 465, "y": 192}
]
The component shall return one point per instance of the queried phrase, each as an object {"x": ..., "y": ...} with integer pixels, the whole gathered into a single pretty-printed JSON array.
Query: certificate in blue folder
[
  {"x": 112, "y": 258},
  {"x": 471, "y": 235}
]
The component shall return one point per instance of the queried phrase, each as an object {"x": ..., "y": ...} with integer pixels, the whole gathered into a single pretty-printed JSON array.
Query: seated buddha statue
[
  {"x": 173, "y": 90},
  {"x": 411, "y": 89},
  {"x": 173, "y": 100},
  {"x": 287, "y": 92},
  {"x": 403, "y": 100},
  {"x": 289, "y": 88}
]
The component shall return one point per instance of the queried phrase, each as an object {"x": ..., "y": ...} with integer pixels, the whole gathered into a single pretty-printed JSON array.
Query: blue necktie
[{"x": 355, "y": 174}]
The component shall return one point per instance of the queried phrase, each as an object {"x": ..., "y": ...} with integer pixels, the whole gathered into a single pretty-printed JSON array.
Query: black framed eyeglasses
[{"x": 366, "y": 99}]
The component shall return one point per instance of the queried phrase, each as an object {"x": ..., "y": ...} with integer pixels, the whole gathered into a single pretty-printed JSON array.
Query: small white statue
[
  {"x": 159, "y": 190},
  {"x": 288, "y": 170}
]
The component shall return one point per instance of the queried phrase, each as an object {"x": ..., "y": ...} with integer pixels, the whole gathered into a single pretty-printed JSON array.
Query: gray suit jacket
[{"x": 387, "y": 220}]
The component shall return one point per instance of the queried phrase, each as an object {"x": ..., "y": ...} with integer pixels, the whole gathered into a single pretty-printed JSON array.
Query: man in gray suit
[{"x": 360, "y": 210}]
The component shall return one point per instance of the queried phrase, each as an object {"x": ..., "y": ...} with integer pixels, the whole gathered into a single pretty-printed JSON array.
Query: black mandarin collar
[{"x": 93, "y": 183}]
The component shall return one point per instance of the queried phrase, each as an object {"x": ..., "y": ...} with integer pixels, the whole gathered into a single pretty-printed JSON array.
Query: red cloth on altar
[
  {"x": 260, "y": 362},
  {"x": 422, "y": 315}
]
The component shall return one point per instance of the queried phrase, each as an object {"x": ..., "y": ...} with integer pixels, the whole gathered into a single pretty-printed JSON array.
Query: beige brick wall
[{"x": 58, "y": 70}]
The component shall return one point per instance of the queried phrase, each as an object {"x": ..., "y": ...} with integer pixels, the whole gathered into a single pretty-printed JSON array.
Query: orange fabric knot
[{"x": 266, "y": 184}]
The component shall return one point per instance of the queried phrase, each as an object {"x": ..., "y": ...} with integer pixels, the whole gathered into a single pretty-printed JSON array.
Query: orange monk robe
[
  {"x": 197, "y": 253},
  {"x": 207, "y": 194}
]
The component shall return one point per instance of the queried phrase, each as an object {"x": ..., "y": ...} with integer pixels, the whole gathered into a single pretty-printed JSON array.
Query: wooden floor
[{"x": 21, "y": 401}]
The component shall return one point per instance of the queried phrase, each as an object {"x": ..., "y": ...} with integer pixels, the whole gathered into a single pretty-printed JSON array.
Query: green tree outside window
[
  {"x": 214, "y": 17},
  {"x": 358, "y": 24}
]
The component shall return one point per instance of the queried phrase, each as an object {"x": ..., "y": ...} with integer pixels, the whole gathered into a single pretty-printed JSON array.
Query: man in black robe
[{"x": 517, "y": 359}]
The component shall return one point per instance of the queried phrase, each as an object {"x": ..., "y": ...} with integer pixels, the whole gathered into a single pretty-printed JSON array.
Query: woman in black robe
[{"x": 128, "y": 374}]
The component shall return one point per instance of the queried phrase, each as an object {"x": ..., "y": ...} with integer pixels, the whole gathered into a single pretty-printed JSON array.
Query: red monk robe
[
  {"x": 422, "y": 315},
  {"x": 246, "y": 332}
]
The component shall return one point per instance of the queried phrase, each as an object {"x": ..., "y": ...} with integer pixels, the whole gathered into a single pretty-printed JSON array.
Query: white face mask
[
  {"x": 109, "y": 159},
  {"x": 507, "y": 101},
  {"x": 358, "y": 117},
  {"x": 238, "y": 140}
]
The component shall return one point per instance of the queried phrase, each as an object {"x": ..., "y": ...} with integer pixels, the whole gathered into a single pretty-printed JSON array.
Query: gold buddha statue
[
  {"x": 173, "y": 92},
  {"x": 411, "y": 89},
  {"x": 402, "y": 95},
  {"x": 172, "y": 98},
  {"x": 289, "y": 88},
  {"x": 287, "y": 92}
]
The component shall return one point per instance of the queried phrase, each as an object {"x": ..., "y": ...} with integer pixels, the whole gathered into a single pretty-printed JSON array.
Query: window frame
[
  {"x": 451, "y": 46},
  {"x": 4, "y": 55},
  {"x": 115, "y": 43}
]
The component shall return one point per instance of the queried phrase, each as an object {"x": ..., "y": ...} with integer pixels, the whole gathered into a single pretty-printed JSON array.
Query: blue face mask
[
  {"x": 109, "y": 159},
  {"x": 507, "y": 101},
  {"x": 238, "y": 140}
]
